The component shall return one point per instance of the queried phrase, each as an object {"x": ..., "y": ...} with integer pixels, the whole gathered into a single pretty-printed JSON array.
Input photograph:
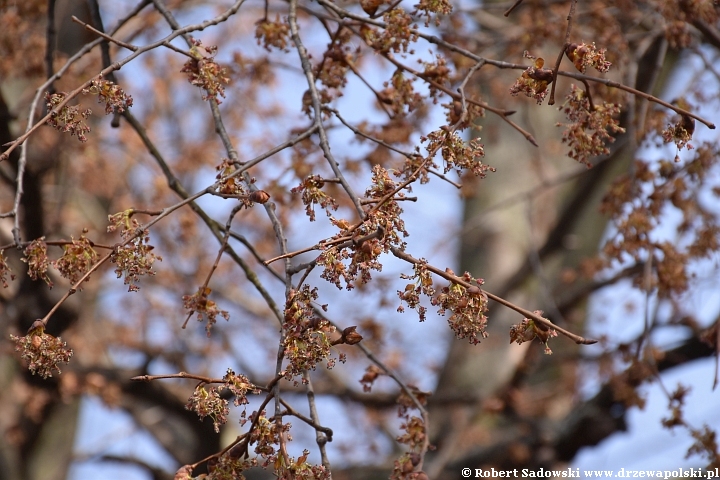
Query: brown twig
[
  {"x": 571, "y": 14},
  {"x": 291, "y": 411},
  {"x": 526, "y": 313},
  {"x": 107, "y": 37},
  {"x": 512, "y": 7},
  {"x": 221, "y": 250}
]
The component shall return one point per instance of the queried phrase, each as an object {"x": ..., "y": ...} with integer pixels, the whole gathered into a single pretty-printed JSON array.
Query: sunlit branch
[{"x": 527, "y": 313}]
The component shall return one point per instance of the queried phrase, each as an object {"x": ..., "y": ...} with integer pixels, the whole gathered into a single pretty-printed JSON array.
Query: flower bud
[
  {"x": 350, "y": 336},
  {"x": 259, "y": 196}
]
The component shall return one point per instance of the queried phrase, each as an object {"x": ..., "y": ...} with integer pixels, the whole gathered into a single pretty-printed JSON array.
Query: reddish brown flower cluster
[
  {"x": 5, "y": 270},
  {"x": 134, "y": 260},
  {"x": 589, "y": 130},
  {"x": 680, "y": 133},
  {"x": 42, "y": 352},
  {"x": 468, "y": 307},
  {"x": 456, "y": 153},
  {"x": 205, "y": 73},
  {"x": 423, "y": 285},
  {"x": 69, "y": 118},
  {"x": 587, "y": 55},
  {"x": 77, "y": 259},
  {"x": 399, "y": 94},
  {"x": 396, "y": 37},
  {"x": 528, "y": 330},
  {"x": 307, "y": 337},
  {"x": 208, "y": 403},
  {"x": 433, "y": 8},
  {"x": 312, "y": 194},
  {"x": 115, "y": 98},
  {"x": 37, "y": 260},
  {"x": 272, "y": 33},
  {"x": 534, "y": 81},
  {"x": 204, "y": 307}
]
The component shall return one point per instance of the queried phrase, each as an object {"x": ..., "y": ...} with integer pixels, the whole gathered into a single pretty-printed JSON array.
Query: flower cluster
[
  {"x": 208, "y": 403},
  {"x": 457, "y": 154},
  {"x": 123, "y": 222},
  {"x": 228, "y": 466},
  {"x": 226, "y": 183},
  {"x": 439, "y": 73},
  {"x": 589, "y": 130},
  {"x": 404, "y": 468},
  {"x": 205, "y": 73},
  {"x": 42, "y": 352},
  {"x": 397, "y": 35},
  {"x": 423, "y": 285},
  {"x": 115, "y": 98},
  {"x": 204, "y": 307},
  {"x": 399, "y": 94},
  {"x": 266, "y": 435},
  {"x": 307, "y": 337},
  {"x": 454, "y": 111},
  {"x": 37, "y": 260},
  {"x": 681, "y": 132},
  {"x": 5, "y": 270},
  {"x": 376, "y": 235},
  {"x": 414, "y": 435},
  {"x": 468, "y": 307},
  {"x": 77, "y": 259},
  {"x": 428, "y": 8},
  {"x": 534, "y": 81},
  {"x": 272, "y": 34},
  {"x": 332, "y": 70},
  {"x": 368, "y": 379},
  {"x": 239, "y": 386},
  {"x": 300, "y": 469},
  {"x": 587, "y": 55},
  {"x": 312, "y": 194},
  {"x": 134, "y": 260},
  {"x": 528, "y": 329},
  {"x": 69, "y": 118}
]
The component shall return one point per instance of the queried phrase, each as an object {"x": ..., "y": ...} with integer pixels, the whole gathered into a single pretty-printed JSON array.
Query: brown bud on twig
[
  {"x": 259, "y": 196},
  {"x": 37, "y": 327},
  {"x": 350, "y": 336},
  {"x": 370, "y": 6}
]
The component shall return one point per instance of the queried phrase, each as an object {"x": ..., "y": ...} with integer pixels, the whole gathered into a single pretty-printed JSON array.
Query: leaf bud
[{"x": 259, "y": 196}]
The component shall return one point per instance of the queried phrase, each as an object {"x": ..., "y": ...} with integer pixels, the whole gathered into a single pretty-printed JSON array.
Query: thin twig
[
  {"x": 107, "y": 37},
  {"x": 291, "y": 411},
  {"x": 573, "y": 3},
  {"x": 317, "y": 109},
  {"x": 526, "y": 313},
  {"x": 321, "y": 435}
]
